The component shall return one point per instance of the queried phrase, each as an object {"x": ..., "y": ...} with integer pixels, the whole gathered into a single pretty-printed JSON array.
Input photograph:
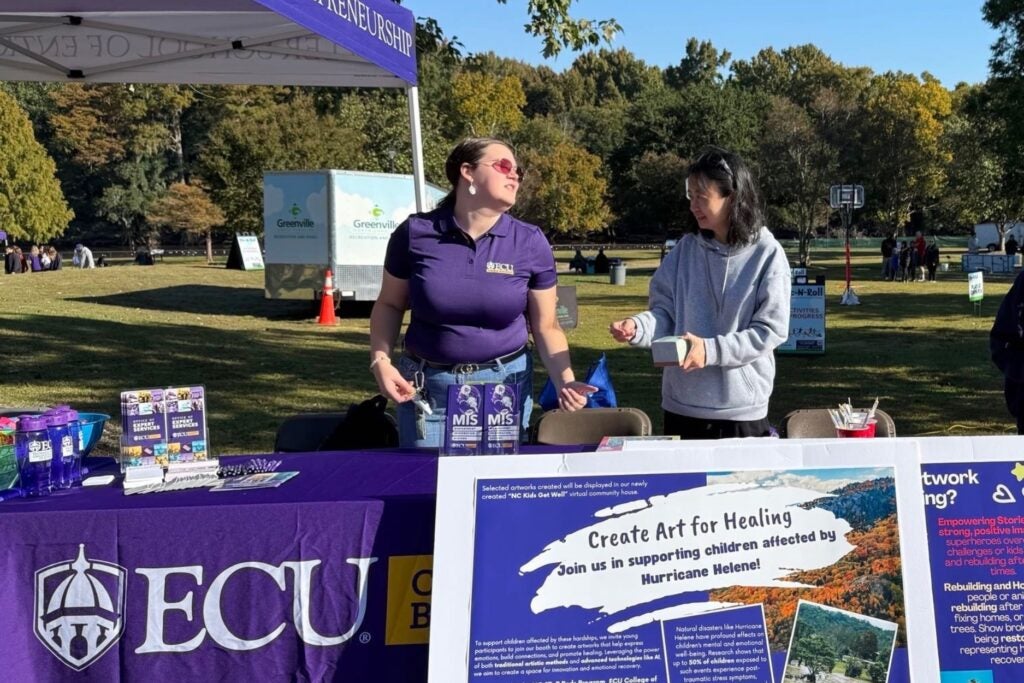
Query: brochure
[{"x": 262, "y": 480}]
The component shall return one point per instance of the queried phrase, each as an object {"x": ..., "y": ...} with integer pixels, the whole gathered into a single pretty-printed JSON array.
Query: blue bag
[{"x": 597, "y": 376}]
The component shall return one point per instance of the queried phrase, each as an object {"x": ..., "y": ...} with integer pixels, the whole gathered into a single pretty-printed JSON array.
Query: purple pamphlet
[
  {"x": 161, "y": 426},
  {"x": 501, "y": 426},
  {"x": 186, "y": 424},
  {"x": 464, "y": 431},
  {"x": 143, "y": 427}
]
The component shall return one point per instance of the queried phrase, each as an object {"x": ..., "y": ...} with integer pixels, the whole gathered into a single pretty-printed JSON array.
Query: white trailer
[
  {"x": 315, "y": 220},
  {"x": 987, "y": 235}
]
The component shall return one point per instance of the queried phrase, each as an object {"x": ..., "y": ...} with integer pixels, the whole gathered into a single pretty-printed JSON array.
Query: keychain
[{"x": 419, "y": 399}]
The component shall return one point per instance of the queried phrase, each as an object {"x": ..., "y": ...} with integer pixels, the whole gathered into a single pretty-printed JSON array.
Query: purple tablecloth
[{"x": 324, "y": 578}]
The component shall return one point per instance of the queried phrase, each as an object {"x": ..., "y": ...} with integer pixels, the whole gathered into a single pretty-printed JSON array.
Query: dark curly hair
[{"x": 732, "y": 177}]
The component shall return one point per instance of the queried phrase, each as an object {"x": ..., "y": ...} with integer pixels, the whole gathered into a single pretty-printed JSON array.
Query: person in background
[
  {"x": 726, "y": 291},
  {"x": 905, "y": 258},
  {"x": 888, "y": 246},
  {"x": 476, "y": 280},
  {"x": 931, "y": 259},
  {"x": 55, "y": 259},
  {"x": 34, "y": 264},
  {"x": 83, "y": 257},
  {"x": 578, "y": 264},
  {"x": 1006, "y": 346},
  {"x": 1011, "y": 247},
  {"x": 601, "y": 264},
  {"x": 972, "y": 244},
  {"x": 894, "y": 262},
  {"x": 44, "y": 257},
  {"x": 920, "y": 247},
  {"x": 12, "y": 261}
]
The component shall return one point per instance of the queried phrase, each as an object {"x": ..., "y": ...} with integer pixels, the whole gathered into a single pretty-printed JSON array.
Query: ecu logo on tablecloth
[{"x": 79, "y": 608}]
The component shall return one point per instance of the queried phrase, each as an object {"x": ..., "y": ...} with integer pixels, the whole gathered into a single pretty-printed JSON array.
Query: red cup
[{"x": 866, "y": 432}]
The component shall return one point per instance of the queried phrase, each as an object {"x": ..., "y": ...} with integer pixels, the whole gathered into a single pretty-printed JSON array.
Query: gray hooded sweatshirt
[{"x": 737, "y": 299}]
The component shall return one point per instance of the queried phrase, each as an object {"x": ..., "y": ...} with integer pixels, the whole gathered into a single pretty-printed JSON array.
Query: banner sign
[
  {"x": 760, "y": 576},
  {"x": 806, "y": 320},
  {"x": 287, "y": 583},
  {"x": 376, "y": 30},
  {"x": 976, "y": 286},
  {"x": 250, "y": 251},
  {"x": 975, "y": 518}
]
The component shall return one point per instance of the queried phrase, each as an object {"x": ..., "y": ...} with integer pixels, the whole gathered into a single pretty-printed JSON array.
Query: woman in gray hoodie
[{"x": 726, "y": 292}]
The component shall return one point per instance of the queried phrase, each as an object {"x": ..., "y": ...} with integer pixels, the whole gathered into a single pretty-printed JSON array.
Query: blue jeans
[{"x": 416, "y": 428}]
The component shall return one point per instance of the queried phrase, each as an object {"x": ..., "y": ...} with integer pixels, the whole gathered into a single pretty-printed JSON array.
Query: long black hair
[
  {"x": 732, "y": 177},
  {"x": 469, "y": 151}
]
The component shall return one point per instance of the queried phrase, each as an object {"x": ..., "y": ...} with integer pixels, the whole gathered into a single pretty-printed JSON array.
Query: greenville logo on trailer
[
  {"x": 376, "y": 212},
  {"x": 295, "y": 211},
  {"x": 79, "y": 608}
]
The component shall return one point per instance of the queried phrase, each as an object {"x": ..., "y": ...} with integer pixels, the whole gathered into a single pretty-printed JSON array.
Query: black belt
[{"x": 466, "y": 367}]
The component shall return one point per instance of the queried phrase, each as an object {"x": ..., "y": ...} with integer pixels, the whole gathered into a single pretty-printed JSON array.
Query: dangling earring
[{"x": 472, "y": 188}]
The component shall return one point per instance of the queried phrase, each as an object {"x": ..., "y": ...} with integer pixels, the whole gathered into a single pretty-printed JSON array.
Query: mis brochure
[{"x": 261, "y": 480}]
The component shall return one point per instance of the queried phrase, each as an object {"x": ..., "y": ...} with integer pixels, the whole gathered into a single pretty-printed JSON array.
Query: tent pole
[{"x": 412, "y": 92}]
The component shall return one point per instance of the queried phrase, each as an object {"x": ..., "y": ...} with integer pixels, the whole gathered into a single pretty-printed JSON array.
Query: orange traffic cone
[{"x": 327, "y": 302}]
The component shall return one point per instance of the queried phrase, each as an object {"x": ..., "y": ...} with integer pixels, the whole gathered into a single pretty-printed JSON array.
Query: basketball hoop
[{"x": 846, "y": 198}]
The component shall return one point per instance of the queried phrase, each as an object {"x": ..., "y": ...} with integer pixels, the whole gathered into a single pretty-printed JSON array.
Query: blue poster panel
[
  {"x": 976, "y": 549},
  {"x": 665, "y": 578},
  {"x": 806, "y": 319}
]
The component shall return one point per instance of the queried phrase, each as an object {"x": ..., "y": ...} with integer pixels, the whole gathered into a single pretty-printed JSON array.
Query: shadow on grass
[
  {"x": 253, "y": 381},
  {"x": 219, "y": 300},
  {"x": 204, "y": 299}
]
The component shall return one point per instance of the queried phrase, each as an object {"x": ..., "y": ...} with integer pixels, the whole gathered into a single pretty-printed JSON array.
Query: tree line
[{"x": 606, "y": 142}]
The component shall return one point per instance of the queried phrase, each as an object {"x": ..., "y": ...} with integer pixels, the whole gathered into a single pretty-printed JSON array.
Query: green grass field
[{"x": 81, "y": 337}]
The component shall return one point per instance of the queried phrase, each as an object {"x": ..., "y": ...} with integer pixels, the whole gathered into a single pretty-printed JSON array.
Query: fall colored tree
[
  {"x": 32, "y": 206},
  {"x": 904, "y": 159},
  {"x": 564, "y": 190},
  {"x": 488, "y": 105},
  {"x": 188, "y": 209}
]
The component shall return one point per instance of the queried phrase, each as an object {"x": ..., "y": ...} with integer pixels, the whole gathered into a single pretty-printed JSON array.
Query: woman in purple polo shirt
[{"x": 472, "y": 276}]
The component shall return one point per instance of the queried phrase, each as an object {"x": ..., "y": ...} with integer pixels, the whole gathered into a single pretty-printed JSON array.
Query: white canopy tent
[{"x": 343, "y": 43}]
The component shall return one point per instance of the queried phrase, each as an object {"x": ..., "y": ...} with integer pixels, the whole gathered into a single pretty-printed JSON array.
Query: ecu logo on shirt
[
  {"x": 500, "y": 268},
  {"x": 410, "y": 583}
]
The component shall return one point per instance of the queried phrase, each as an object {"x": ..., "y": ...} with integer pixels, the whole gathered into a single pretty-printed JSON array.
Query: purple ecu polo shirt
[{"x": 468, "y": 298}]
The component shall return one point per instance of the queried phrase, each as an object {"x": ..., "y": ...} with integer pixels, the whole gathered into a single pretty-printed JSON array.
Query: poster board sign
[
  {"x": 245, "y": 253},
  {"x": 806, "y": 320},
  {"x": 974, "y": 502},
  {"x": 687, "y": 562},
  {"x": 975, "y": 286},
  {"x": 250, "y": 251}
]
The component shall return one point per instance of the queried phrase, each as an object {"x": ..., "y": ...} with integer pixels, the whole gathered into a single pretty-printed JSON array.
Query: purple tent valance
[{"x": 377, "y": 30}]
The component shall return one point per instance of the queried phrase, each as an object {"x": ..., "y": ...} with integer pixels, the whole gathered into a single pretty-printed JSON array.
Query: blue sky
[{"x": 948, "y": 38}]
